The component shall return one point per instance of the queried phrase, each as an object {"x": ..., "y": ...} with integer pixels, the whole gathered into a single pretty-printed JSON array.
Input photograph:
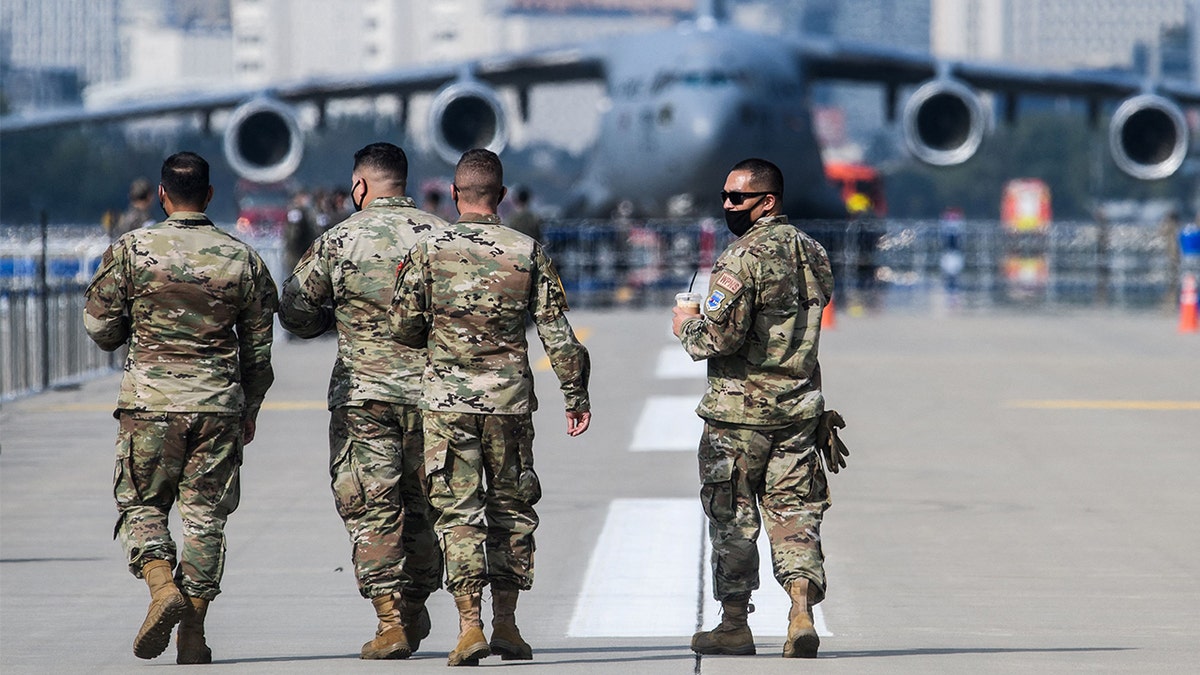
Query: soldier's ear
[{"x": 503, "y": 193}]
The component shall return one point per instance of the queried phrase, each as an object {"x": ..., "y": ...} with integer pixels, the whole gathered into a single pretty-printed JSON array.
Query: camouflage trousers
[
  {"x": 377, "y": 472},
  {"x": 192, "y": 458},
  {"x": 482, "y": 485},
  {"x": 777, "y": 472}
]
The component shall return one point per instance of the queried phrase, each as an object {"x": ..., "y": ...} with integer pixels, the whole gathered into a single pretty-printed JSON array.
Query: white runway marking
[
  {"x": 644, "y": 578},
  {"x": 674, "y": 363},
  {"x": 668, "y": 423},
  {"x": 641, "y": 581}
]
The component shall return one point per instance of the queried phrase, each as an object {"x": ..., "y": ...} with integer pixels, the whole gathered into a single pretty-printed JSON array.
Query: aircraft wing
[
  {"x": 864, "y": 63},
  {"x": 520, "y": 70}
]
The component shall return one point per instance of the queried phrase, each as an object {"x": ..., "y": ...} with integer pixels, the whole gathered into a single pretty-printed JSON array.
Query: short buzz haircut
[
  {"x": 185, "y": 179},
  {"x": 479, "y": 176},
  {"x": 764, "y": 176},
  {"x": 386, "y": 160}
]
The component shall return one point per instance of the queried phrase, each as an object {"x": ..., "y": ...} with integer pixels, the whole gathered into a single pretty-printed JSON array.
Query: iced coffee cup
[{"x": 689, "y": 302}]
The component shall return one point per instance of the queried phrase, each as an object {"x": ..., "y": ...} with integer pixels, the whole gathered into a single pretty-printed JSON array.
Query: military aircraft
[{"x": 686, "y": 104}]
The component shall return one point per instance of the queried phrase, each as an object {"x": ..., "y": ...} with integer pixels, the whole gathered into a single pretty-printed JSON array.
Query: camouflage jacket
[
  {"x": 466, "y": 292},
  {"x": 346, "y": 279},
  {"x": 197, "y": 308},
  {"x": 761, "y": 327}
]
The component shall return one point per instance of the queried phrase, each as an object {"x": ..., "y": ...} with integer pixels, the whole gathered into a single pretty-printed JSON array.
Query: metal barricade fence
[
  {"x": 43, "y": 341},
  {"x": 878, "y": 264},
  {"x": 895, "y": 264}
]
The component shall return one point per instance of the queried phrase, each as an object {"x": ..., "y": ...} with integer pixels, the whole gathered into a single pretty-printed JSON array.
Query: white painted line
[
  {"x": 641, "y": 581},
  {"x": 668, "y": 423},
  {"x": 674, "y": 364},
  {"x": 644, "y": 578}
]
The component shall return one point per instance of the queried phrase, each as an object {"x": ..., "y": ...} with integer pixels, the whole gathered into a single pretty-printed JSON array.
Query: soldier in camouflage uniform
[
  {"x": 345, "y": 280},
  {"x": 762, "y": 410},
  {"x": 138, "y": 213},
  {"x": 196, "y": 307},
  {"x": 465, "y": 293}
]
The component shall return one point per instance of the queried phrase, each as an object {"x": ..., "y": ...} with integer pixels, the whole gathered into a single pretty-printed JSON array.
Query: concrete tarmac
[{"x": 1021, "y": 497}]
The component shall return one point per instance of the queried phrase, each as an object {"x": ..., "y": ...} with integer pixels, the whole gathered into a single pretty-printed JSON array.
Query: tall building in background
[
  {"x": 1060, "y": 34},
  {"x": 54, "y": 46},
  {"x": 80, "y": 34}
]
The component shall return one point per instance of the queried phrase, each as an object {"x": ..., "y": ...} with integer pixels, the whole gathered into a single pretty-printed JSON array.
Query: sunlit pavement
[{"x": 1020, "y": 497}]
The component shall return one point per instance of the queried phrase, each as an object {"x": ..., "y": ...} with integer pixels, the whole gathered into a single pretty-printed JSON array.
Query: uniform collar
[
  {"x": 386, "y": 202},
  {"x": 489, "y": 218},
  {"x": 189, "y": 218},
  {"x": 767, "y": 220}
]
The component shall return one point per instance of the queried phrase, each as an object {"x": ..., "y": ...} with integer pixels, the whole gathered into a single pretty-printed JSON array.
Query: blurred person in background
[{"x": 138, "y": 213}]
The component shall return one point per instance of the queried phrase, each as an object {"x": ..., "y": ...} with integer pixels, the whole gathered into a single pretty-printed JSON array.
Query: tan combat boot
[
  {"x": 391, "y": 642},
  {"x": 472, "y": 645},
  {"x": 732, "y": 636},
  {"x": 506, "y": 637},
  {"x": 190, "y": 646},
  {"x": 802, "y": 640},
  {"x": 167, "y": 606},
  {"x": 415, "y": 618}
]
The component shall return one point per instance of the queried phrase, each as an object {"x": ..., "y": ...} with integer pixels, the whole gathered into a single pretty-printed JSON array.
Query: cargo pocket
[
  {"x": 347, "y": 488},
  {"x": 716, "y": 495},
  {"x": 529, "y": 488},
  {"x": 437, "y": 482},
  {"x": 124, "y": 488}
]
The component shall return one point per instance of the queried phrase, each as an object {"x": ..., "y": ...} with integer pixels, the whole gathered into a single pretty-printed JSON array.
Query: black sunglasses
[{"x": 736, "y": 198}]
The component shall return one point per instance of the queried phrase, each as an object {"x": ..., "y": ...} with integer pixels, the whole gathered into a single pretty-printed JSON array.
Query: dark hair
[
  {"x": 140, "y": 189},
  {"x": 185, "y": 179},
  {"x": 386, "y": 159},
  {"x": 480, "y": 176},
  {"x": 764, "y": 175}
]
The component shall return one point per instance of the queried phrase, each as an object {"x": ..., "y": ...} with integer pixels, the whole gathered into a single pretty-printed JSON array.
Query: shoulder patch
[
  {"x": 729, "y": 282},
  {"x": 714, "y": 301}
]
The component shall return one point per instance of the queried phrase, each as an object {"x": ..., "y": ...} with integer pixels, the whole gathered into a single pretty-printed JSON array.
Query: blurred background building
[{"x": 56, "y": 51}]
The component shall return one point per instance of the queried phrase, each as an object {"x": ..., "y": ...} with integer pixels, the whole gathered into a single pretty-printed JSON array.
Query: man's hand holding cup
[{"x": 687, "y": 306}]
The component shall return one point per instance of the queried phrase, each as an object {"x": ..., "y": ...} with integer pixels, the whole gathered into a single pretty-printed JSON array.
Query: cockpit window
[{"x": 697, "y": 78}]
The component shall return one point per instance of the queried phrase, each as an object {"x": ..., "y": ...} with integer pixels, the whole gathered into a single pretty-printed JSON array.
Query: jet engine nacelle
[
  {"x": 1148, "y": 137},
  {"x": 943, "y": 122},
  {"x": 263, "y": 141},
  {"x": 466, "y": 115}
]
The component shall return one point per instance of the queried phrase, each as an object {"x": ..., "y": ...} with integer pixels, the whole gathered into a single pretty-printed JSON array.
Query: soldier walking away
[
  {"x": 464, "y": 293},
  {"x": 196, "y": 307},
  {"x": 523, "y": 219},
  {"x": 345, "y": 281},
  {"x": 765, "y": 423},
  {"x": 138, "y": 214}
]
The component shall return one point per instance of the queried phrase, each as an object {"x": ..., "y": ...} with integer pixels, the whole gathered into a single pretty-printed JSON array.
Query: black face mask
[
  {"x": 739, "y": 222},
  {"x": 358, "y": 205}
]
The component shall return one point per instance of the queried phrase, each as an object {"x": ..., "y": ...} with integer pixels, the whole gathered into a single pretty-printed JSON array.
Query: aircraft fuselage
[{"x": 687, "y": 104}]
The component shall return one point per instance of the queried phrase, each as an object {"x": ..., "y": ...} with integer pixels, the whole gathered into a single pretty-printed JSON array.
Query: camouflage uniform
[
  {"x": 132, "y": 219},
  {"x": 196, "y": 307},
  {"x": 759, "y": 334},
  {"x": 375, "y": 439},
  {"x": 466, "y": 293}
]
